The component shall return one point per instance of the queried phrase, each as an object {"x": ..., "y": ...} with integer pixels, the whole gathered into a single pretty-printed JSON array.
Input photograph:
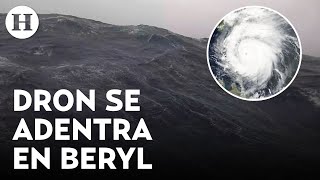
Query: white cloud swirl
[{"x": 258, "y": 51}]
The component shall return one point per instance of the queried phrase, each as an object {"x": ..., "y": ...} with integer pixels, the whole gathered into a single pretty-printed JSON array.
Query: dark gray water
[{"x": 195, "y": 125}]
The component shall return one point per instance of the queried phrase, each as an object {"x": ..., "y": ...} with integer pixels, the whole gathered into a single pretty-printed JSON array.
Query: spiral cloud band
[{"x": 254, "y": 53}]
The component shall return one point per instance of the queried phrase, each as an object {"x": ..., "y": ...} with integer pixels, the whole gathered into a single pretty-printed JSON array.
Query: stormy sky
[{"x": 194, "y": 18}]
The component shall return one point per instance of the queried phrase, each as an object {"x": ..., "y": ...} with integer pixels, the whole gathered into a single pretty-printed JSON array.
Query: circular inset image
[{"x": 254, "y": 53}]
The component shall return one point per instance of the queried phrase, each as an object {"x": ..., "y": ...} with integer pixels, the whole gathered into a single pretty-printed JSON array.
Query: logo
[{"x": 22, "y": 22}]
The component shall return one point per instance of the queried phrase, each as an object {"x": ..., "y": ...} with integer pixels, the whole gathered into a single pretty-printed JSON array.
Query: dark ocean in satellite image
[{"x": 195, "y": 125}]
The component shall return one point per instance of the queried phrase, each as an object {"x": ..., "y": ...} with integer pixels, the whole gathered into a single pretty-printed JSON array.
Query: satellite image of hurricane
[{"x": 254, "y": 53}]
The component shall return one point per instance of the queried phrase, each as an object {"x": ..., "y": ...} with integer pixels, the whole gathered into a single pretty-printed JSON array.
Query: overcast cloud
[{"x": 194, "y": 18}]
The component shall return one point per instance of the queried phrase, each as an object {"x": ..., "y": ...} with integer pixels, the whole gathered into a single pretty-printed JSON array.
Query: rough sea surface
[{"x": 196, "y": 126}]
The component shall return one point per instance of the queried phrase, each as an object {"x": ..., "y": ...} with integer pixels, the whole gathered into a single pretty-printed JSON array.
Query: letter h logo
[
  {"x": 22, "y": 22},
  {"x": 17, "y": 22}
]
